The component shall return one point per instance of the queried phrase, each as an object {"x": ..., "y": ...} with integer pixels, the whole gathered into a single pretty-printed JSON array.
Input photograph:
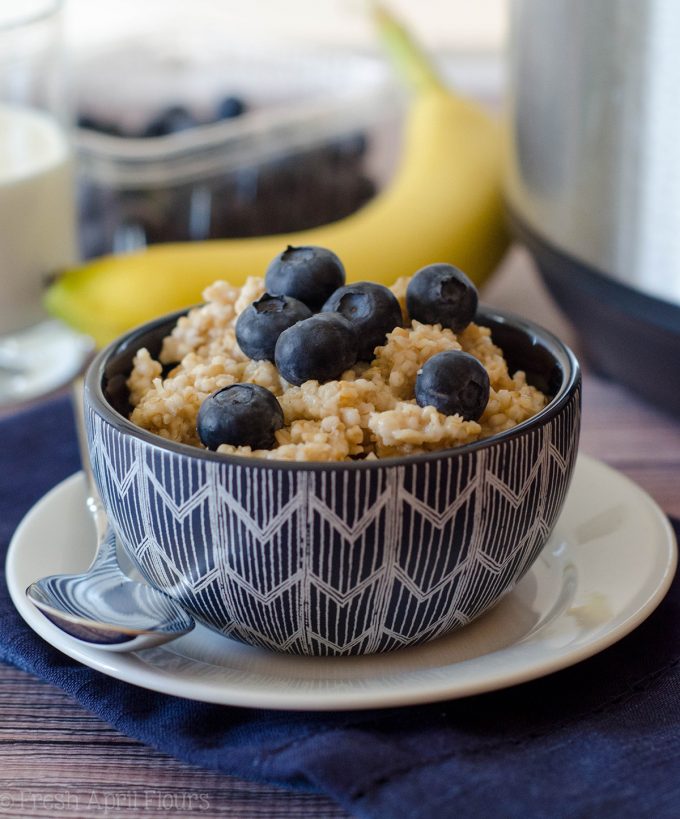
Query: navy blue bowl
[{"x": 338, "y": 558}]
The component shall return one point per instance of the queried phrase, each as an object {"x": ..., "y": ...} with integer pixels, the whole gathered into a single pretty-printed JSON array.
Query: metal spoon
[{"x": 102, "y": 607}]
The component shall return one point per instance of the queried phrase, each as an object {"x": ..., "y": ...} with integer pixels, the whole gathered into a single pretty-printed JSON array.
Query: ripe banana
[{"x": 444, "y": 205}]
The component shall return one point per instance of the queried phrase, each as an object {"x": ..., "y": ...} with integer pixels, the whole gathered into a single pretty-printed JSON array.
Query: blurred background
[
  {"x": 313, "y": 107},
  {"x": 443, "y": 24},
  {"x": 203, "y": 119},
  {"x": 179, "y": 120}
]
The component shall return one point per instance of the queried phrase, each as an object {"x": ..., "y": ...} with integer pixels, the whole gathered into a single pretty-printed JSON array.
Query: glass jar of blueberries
[{"x": 281, "y": 142}]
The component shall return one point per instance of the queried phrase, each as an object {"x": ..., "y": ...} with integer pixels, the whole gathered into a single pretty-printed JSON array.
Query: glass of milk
[{"x": 37, "y": 208}]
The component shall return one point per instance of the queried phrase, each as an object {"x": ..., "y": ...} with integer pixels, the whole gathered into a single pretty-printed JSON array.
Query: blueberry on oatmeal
[
  {"x": 308, "y": 273},
  {"x": 262, "y": 322},
  {"x": 319, "y": 348},
  {"x": 442, "y": 294},
  {"x": 373, "y": 311},
  {"x": 241, "y": 415},
  {"x": 454, "y": 383},
  {"x": 336, "y": 407}
]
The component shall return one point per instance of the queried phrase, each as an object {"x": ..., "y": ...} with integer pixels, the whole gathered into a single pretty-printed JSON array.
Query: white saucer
[{"x": 607, "y": 566}]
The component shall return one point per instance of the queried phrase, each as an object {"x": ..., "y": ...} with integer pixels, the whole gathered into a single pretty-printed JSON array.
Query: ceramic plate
[{"x": 606, "y": 567}]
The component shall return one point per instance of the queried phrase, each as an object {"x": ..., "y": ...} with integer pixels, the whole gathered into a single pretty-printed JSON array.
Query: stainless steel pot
[{"x": 593, "y": 174}]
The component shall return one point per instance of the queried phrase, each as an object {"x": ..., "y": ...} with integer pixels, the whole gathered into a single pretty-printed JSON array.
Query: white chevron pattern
[
  {"x": 353, "y": 532},
  {"x": 260, "y": 532},
  {"x": 438, "y": 519},
  {"x": 337, "y": 561}
]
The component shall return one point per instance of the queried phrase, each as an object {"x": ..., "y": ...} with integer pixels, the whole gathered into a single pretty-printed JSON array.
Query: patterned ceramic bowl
[{"x": 338, "y": 558}]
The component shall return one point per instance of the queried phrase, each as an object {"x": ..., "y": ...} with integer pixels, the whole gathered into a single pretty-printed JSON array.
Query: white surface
[
  {"x": 444, "y": 24},
  {"x": 14, "y": 14},
  {"x": 37, "y": 212},
  {"x": 607, "y": 566}
]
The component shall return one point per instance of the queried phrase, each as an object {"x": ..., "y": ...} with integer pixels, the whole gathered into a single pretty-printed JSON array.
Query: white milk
[{"x": 37, "y": 213}]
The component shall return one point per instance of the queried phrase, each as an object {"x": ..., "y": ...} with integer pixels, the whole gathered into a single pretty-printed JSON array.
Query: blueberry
[
  {"x": 88, "y": 121},
  {"x": 170, "y": 121},
  {"x": 454, "y": 383},
  {"x": 230, "y": 107},
  {"x": 442, "y": 294},
  {"x": 262, "y": 322},
  {"x": 308, "y": 273},
  {"x": 241, "y": 415},
  {"x": 350, "y": 147},
  {"x": 372, "y": 310},
  {"x": 321, "y": 348},
  {"x": 93, "y": 124}
]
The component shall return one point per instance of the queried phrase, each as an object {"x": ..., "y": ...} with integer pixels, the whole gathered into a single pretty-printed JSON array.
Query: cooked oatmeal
[{"x": 369, "y": 412}]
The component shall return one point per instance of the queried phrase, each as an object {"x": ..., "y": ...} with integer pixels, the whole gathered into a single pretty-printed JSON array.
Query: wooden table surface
[{"x": 58, "y": 760}]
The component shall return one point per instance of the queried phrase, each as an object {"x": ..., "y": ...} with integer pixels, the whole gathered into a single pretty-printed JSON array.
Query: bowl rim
[{"x": 561, "y": 352}]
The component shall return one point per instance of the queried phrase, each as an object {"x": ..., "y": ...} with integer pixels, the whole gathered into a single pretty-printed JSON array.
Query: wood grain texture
[{"x": 58, "y": 760}]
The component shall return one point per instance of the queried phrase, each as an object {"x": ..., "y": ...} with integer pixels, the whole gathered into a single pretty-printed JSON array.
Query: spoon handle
[{"x": 94, "y": 501}]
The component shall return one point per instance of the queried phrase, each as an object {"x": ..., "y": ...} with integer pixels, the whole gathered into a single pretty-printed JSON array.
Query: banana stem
[{"x": 409, "y": 56}]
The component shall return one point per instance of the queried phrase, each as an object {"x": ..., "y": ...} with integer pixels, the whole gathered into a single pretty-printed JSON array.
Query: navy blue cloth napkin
[{"x": 600, "y": 738}]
